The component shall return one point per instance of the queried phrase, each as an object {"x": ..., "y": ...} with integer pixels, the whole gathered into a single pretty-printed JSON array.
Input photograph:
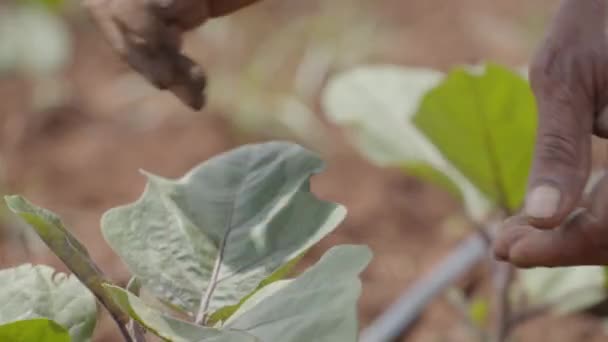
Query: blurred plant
[
  {"x": 36, "y": 45},
  {"x": 271, "y": 85},
  {"x": 52, "y": 5},
  {"x": 472, "y": 131}
]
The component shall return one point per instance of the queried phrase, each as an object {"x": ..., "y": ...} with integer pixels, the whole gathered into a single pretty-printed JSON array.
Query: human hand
[
  {"x": 148, "y": 34},
  {"x": 569, "y": 76}
]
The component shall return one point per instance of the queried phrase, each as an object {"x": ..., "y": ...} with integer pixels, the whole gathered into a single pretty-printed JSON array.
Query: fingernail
[{"x": 543, "y": 202}]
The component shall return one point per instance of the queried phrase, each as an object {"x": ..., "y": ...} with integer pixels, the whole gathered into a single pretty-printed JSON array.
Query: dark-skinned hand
[
  {"x": 569, "y": 77},
  {"x": 148, "y": 34}
]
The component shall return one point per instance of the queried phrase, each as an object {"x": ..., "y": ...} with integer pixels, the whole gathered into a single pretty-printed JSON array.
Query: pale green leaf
[
  {"x": 320, "y": 305},
  {"x": 565, "y": 289},
  {"x": 169, "y": 328},
  {"x": 257, "y": 297},
  {"x": 28, "y": 292},
  {"x": 224, "y": 313},
  {"x": 65, "y": 245},
  {"x": 375, "y": 104},
  {"x": 484, "y": 123},
  {"x": 33, "y": 330},
  {"x": 244, "y": 213},
  {"x": 33, "y": 41}
]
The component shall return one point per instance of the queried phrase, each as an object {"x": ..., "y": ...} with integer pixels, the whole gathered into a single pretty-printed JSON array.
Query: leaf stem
[
  {"x": 505, "y": 276},
  {"x": 202, "y": 315},
  {"x": 136, "y": 330}
]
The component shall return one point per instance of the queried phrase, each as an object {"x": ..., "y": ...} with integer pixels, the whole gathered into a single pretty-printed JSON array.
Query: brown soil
[{"x": 83, "y": 158}]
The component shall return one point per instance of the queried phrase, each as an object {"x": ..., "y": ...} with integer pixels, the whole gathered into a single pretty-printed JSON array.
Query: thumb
[{"x": 562, "y": 153}]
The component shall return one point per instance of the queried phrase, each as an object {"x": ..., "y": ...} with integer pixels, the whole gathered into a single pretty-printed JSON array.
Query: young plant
[
  {"x": 472, "y": 131},
  {"x": 209, "y": 253}
]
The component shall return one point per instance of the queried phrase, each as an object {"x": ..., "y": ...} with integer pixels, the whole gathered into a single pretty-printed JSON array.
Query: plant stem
[
  {"x": 136, "y": 330},
  {"x": 462, "y": 308},
  {"x": 505, "y": 275}
]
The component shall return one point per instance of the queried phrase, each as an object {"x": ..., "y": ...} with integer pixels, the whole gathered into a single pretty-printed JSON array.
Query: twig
[{"x": 505, "y": 275}]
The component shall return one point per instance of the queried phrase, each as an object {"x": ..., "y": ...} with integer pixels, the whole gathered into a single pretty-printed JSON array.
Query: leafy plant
[
  {"x": 212, "y": 248},
  {"x": 34, "y": 292},
  {"x": 471, "y": 131}
]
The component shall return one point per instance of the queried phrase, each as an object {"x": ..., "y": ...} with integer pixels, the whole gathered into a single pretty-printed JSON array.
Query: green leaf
[
  {"x": 565, "y": 289},
  {"x": 484, "y": 124},
  {"x": 75, "y": 256},
  {"x": 224, "y": 227},
  {"x": 39, "y": 292},
  {"x": 259, "y": 296},
  {"x": 33, "y": 330},
  {"x": 320, "y": 305},
  {"x": 375, "y": 104},
  {"x": 224, "y": 313},
  {"x": 169, "y": 328}
]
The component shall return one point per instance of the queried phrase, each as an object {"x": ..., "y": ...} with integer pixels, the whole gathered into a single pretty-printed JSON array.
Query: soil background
[{"x": 84, "y": 156}]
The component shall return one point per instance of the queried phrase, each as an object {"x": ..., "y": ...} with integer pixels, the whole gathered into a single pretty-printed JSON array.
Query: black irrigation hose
[{"x": 400, "y": 317}]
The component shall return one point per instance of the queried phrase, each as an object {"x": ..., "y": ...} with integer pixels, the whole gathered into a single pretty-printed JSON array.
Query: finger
[
  {"x": 581, "y": 240},
  {"x": 189, "y": 83},
  {"x": 512, "y": 230},
  {"x": 100, "y": 12},
  {"x": 222, "y": 7},
  {"x": 562, "y": 152},
  {"x": 600, "y": 127},
  {"x": 598, "y": 201},
  {"x": 169, "y": 70},
  {"x": 185, "y": 14},
  {"x": 569, "y": 245}
]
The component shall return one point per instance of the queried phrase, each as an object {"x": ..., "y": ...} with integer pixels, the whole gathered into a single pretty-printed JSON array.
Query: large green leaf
[
  {"x": 320, "y": 305},
  {"x": 59, "y": 239},
  {"x": 169, "y": 328},
  {"x": 484, "y": 124},
  {"x": 223, "y": 228},
  {"x": 375, "y": 104},
  {"x": 39, "y": 292},
  {"x": 33, "y": 330}
]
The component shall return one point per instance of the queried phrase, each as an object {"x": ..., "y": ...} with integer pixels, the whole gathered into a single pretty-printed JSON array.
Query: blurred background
[{"x": 76, "y": 125}]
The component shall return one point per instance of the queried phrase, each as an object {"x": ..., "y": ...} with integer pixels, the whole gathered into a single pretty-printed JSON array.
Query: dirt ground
[{"x": 82, "y": 158}]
